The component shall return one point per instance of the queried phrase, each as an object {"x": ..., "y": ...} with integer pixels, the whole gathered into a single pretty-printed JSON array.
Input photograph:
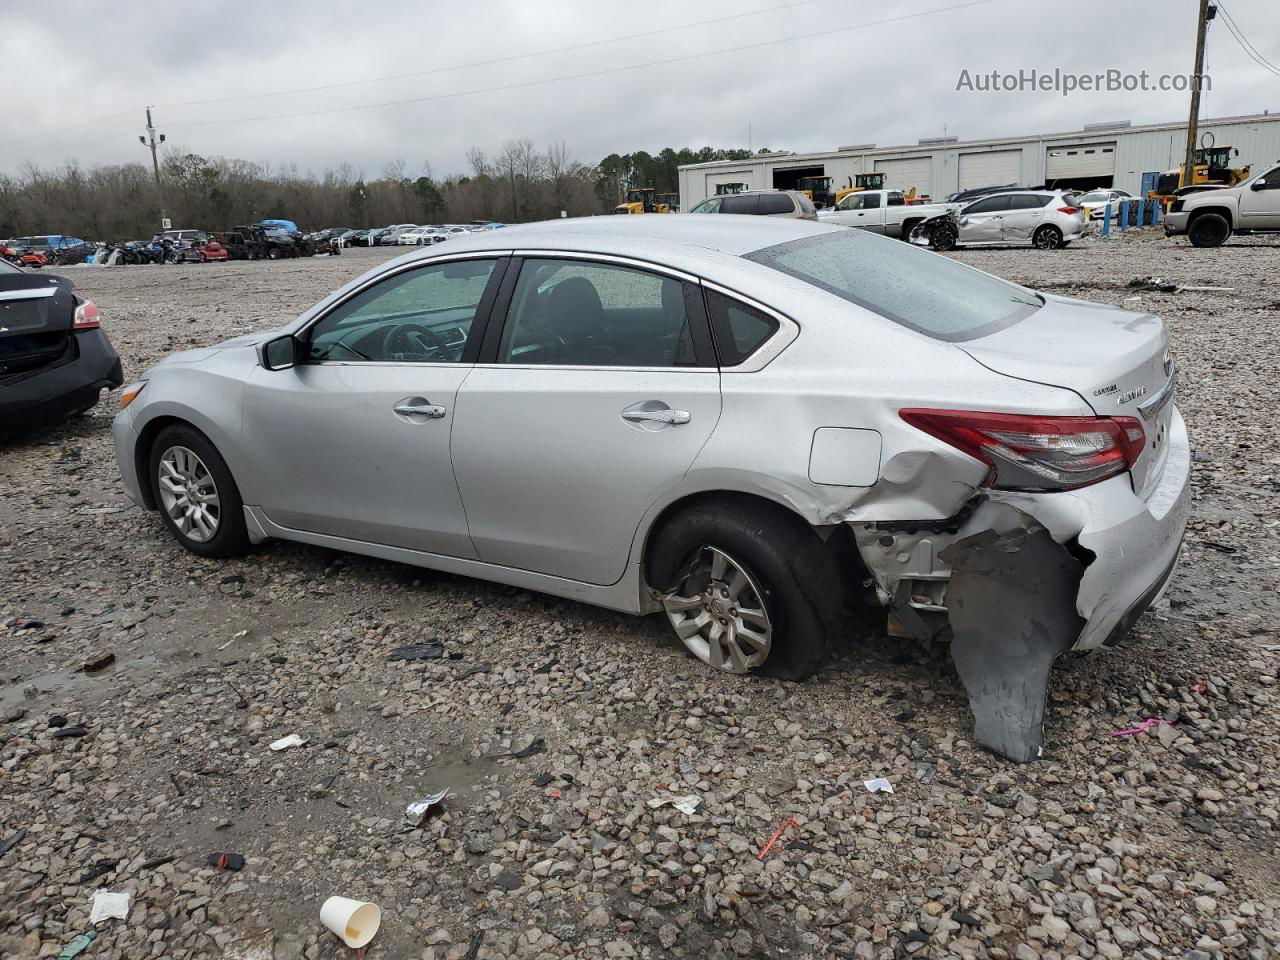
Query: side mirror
[
  {"x": 963, "y": 221},
  {"x": 280, "y": 353},
  {"x": 1258, "y": 185}
]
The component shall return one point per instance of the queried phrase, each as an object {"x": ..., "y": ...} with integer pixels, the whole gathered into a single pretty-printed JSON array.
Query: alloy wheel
[
  {"x": 189, "y": 494},
  {"x": 718, "y": 611}
]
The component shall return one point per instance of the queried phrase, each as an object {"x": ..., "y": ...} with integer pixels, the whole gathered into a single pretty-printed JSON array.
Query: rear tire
[
  {"x": 1209, "y": 230},
  {"x": 786, "y": 567},
  {"x": 1047, "y": 238},
  {"x": 273, "y": 253},
  {"x": 196, "y": 495},
  {"x": 907, "y": 229}
]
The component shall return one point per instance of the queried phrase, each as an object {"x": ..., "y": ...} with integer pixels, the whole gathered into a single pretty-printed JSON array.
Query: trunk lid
[
  {"x": 36, "y": 317},
  {"x": 1117, "y": 361}
]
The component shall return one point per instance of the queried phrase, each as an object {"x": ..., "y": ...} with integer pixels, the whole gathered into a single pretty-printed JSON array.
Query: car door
[
  {"x": 983, "y": 220},
  {"x": 353, "y": 441},
  {"x": 1260, "y": 202},
  {"x": 592, "y": 398},
  {"x": 1025, "y": 213}
]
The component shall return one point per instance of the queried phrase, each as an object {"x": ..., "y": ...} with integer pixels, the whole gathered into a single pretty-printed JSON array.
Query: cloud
[{"x": 855, "y": 82}]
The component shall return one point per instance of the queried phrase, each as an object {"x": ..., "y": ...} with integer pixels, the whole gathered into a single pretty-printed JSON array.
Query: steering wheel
[{"x": 414, "y": 341}]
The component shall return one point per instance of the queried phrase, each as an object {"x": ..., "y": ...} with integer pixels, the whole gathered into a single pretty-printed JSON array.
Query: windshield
[
  {"x": 923, "y": 291},
  {"x": 1095, "y": 198}
]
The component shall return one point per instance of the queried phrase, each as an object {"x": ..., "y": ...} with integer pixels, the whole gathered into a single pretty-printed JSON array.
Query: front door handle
[
  {"x": 657, "y": 416},
  {"x": 408, "y": 408}
]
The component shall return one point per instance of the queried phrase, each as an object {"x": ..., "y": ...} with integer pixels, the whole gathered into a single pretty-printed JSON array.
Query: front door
[
  {"x": 600, "y": 392},
  {"x": 1261, "y": 207},
  {"x": 354, "y": 442},
  {"x": 983, "y": 220}
]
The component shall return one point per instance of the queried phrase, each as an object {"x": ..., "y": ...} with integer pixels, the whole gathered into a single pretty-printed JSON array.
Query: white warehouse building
[{"x": 1101, "y": 155}]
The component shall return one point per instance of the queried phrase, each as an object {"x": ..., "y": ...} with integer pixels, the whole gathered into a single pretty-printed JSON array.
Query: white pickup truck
[
  {"x": 882, "y": 211},
  {"x": 1209, "y": 217}
]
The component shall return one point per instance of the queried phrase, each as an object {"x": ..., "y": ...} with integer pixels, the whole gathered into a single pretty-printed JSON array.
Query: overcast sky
[{"x": 847, "y": 79}]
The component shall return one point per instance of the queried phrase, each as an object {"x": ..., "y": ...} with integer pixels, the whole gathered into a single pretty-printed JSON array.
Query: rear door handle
[
  {"x": 419, "y": 409},
  {"x": 657, "y": 416}
]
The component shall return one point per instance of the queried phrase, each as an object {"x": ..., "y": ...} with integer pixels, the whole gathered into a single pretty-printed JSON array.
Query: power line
[
  {"x": 1244, "y": 42},
  {"x": 499, "y": 60},
  {"x": 593, "y": 73},
  {"x": 77, "y": 126}
]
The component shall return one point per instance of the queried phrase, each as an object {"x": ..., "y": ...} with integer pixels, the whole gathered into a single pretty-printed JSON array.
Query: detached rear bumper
[{"x": 1023, "y": 577}]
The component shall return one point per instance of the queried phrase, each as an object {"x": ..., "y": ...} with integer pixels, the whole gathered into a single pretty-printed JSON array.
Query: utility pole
[
  {"x": 1207, "y": 12},
  {"x": 151, "y": 141}
]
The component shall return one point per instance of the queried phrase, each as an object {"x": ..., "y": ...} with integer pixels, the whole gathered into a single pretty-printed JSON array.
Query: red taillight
[
  {"x": 1068, "y": 209},
  {"x": 1037, "y": 453},
  {"x": 88, "y": 316}
]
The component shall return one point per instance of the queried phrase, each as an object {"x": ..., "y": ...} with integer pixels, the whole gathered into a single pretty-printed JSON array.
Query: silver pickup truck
[
  {"x": 1208, "y": 218},
  {"x": 882, "y": 211}
]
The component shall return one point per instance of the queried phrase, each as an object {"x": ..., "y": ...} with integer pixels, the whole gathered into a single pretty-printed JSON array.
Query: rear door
[
  {"x": 1026, "y": 212},
  {"x": 595, "y": 391},
  {"x": 36, "y": 316}
]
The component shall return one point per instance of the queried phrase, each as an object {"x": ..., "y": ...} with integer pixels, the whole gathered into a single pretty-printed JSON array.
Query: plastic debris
[
  {"x": 418, "y": 651},
  {"x": 1200, "y": 687},
  {"x": 687, "y": 804},
  {"x": 107, "y": 906},
  {"x": 226, "y": 861},
  {"x": 789, "y": 822},
  {"x": 78, "y": 945},
  {"x": 355, "y": 921},
  {"x": 1142, "y": 727},
  {"x": 418, "y": 813},
  {"x": 536, "y": 745},
  {"x": 878, "y": 785},
  {"x": 284, "y": 743}
]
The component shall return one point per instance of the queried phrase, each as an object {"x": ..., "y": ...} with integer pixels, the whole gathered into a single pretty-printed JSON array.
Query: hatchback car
[
  {"x": 737, "y": 423},
  {"x": 761, "y": 203},
  {"x": 1044, "y": 219},
  {"x": 55, "y": 358}
]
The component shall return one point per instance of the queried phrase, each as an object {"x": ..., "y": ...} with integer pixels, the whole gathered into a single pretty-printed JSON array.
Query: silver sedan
[{"x": 757, "y": 428}]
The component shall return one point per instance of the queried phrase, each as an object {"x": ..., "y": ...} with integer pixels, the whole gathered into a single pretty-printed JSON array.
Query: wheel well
[
  {"x": 142, "y": 454},
  {"x": 837, "y": 537},
  {"x": 909, "y": 225},
  {"x": 1049, "y": 226},
  {"x": 1220, "y": 211}
]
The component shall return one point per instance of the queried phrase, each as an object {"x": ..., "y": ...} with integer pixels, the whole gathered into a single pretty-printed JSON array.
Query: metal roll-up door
[
  {"x": 904, "y": 174},
  {"x": 990, "y": 168},
  {"x": 1080, "y": 160}
]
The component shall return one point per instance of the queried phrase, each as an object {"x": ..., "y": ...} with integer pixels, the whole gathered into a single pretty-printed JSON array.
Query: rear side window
[
  {"x": 1027, "y": 201},
  {"x": 807, "y": 207},
  {"x": 740, "y": 203},
  {"x": 937, "y": 296},
  {"x": 896, "y": 199},
  {"x": 871, "y": 201},
  {"x": 738, "y": 330},
  {"x": 771, "y": 203}
]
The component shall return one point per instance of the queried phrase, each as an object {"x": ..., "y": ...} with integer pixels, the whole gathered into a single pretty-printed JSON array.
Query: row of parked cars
[{"x": 403, "y": 234}]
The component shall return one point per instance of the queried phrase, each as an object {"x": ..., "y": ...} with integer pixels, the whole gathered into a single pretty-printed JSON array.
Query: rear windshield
[{"x": 923, "y": 291}]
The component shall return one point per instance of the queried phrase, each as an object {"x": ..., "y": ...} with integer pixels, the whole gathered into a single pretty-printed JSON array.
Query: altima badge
[{"x": 1130, "y": 395}]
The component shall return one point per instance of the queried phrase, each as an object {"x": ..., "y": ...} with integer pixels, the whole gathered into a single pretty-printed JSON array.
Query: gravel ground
[{"x": 555, "y": 723}]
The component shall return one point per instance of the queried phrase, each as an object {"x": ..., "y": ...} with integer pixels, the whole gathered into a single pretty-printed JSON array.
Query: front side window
[
  {"x": 576, "y": 313},
  {"x": 1271, "y": 179},
  {"x": 989, "y": 205},
  {"x": 418, "y": 316},
  {"x": 937, "y": 296},
  {"x": 852, "y": 202}
]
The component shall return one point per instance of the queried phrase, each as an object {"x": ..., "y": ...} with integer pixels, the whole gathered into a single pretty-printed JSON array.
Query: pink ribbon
[{"x": 1143, "y": 727}]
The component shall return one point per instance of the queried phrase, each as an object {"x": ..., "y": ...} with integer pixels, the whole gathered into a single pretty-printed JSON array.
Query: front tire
[
  {"x": 196, "y": 494},
  {"x": 1209, "y": 230},
  {"x": 944, "y": 238},
  {"x": 748, "y": 588}
]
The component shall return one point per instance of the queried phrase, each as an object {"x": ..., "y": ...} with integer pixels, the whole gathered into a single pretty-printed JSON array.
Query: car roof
[{"x": 631, "y": 235}]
